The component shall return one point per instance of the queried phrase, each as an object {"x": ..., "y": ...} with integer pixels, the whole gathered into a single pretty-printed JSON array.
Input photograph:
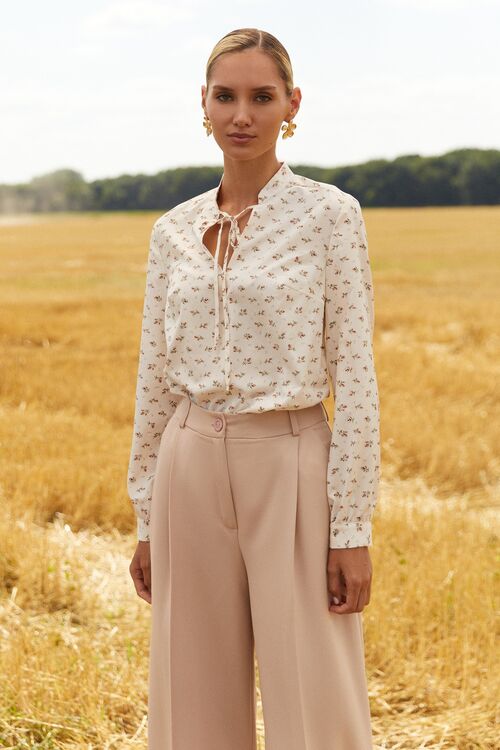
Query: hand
[
  {"x": 140, "y": 570},
  {"x": 349, "y": 579}
]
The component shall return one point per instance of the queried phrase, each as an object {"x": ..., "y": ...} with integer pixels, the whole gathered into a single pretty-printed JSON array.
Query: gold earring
[
  {"x": 207, "y": 124},
  {"x": 288, "y": 128}
]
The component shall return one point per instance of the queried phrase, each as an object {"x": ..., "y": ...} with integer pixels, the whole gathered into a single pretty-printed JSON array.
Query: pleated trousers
[{"x": 239, "y": 548}]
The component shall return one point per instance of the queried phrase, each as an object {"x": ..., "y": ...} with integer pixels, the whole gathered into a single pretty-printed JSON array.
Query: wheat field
[{"x": 73, "y": 633}]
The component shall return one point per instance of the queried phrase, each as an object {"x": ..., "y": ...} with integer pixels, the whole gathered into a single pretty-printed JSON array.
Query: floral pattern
[{"x": 297, "y": 305}]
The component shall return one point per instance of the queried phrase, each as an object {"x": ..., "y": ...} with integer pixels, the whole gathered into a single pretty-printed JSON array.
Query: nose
[{"x": 241, "y": 117}]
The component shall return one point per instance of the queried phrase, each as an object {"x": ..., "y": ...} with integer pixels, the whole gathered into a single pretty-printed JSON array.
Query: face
[{"x": 246, "y": 95}]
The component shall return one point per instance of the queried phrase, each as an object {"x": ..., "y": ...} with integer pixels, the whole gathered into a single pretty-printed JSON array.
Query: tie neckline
[{"x": 212, "y": 214}]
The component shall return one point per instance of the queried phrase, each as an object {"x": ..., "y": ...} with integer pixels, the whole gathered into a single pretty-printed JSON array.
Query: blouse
[{"x": 297, "y": 308}]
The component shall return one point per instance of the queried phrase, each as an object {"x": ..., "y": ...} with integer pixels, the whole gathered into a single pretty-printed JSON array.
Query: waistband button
[{"x": 218, "y": 424}]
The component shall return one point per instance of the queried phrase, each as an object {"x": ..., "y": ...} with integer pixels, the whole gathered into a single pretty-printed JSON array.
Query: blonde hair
[{"x": 241, "y": 39}]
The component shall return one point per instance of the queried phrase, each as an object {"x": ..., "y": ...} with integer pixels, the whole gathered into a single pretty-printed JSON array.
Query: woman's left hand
[{"x": 349, "y": 579}]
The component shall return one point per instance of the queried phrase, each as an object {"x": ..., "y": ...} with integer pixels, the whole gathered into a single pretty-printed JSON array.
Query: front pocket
[
  {"x": 325, "y": 433},
  {"x": 328, "y": 430}
]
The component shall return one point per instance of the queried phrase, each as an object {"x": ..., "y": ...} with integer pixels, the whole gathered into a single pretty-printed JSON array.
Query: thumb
[{"x": 337, "y": 588}]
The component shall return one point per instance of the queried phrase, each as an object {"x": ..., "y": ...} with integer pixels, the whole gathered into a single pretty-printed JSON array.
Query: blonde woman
[{"x": 254, "y": 517}]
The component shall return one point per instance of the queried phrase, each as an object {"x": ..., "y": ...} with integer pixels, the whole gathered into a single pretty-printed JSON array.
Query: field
[{"x": 74, "y": 634}]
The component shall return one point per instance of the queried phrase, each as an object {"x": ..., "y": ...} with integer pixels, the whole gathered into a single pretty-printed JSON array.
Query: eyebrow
[{"x": 257, "y": 88}]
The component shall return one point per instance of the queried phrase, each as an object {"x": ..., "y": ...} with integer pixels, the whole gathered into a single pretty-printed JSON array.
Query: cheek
[
  {"x": 269, "y": 125},
  {"x": 217, "y": 113},
  {"x": 271, "y": 115}
]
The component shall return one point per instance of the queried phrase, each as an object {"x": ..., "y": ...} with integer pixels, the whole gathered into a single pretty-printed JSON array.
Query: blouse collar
[
  {"x": 273, "y": 186},
  {"x": 208, "y": 211}
]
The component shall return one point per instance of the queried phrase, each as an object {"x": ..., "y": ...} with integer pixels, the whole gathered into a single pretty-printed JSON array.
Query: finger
[
  {"x": 146, "y": 573},
  {"x": 147, "y": 582},
  {"x": 337, "y": 586},
  {"x": 140, "y": 586},
  {"x": 364, "y": 596},
  {"x": 349, "y": 605},
  {"x": 143, "y": 590},
  {"x": 368, "y": 593},
  {"x": 144, "y": 593},
  {"x": 362, "y": 600}
]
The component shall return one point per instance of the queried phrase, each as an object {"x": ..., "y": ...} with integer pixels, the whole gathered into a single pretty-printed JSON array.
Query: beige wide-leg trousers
[{"x": 239, "y": 547}]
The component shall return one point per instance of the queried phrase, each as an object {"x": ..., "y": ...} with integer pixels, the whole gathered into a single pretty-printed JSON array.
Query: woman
[{"x": 254, "y": 518}]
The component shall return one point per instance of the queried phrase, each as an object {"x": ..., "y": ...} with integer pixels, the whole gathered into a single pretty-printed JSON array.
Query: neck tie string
[{"x": 232, "y": 241}]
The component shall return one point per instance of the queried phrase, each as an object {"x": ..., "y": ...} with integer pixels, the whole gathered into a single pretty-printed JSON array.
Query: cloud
[
  {"x": 446, "y": 5},
  {"x": 129, "y": 15}
]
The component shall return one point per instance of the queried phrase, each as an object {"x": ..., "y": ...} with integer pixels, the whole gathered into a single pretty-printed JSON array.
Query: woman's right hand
[{"x": 140, "y": 570}]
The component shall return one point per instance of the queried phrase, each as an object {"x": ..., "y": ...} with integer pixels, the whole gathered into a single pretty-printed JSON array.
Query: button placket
[
  {"x": 234, "y": 235},
  {"x": 227, "y": 360}
]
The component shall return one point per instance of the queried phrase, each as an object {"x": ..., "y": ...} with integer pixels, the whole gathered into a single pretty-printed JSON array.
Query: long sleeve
[
  {"x": 354, "y": 460},
  {"x": 154, "y": 405}
]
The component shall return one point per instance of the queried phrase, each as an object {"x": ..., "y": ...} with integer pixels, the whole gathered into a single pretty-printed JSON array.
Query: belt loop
[
  {"x": 186, "y": 405},
  {"x": 294, "y": 422}
]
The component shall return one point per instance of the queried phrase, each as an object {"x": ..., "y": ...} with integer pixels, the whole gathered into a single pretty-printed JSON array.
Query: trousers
[{"x": 239, "y": 546}]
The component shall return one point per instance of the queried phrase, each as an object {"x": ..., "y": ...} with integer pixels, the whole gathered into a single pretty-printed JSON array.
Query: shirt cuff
[
  {"x": 142, "y": 530},
  {"x": 355, "y": 534}
]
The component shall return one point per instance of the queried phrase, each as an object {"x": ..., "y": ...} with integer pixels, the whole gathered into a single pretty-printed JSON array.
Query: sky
[{"x": 113, "y": 87}]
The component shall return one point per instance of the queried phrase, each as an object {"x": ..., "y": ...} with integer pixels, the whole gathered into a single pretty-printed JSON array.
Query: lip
[{"x": 240, "y": 138}]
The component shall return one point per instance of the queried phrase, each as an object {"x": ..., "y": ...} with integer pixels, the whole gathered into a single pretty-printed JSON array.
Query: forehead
[{"x": 250, "y": 68}]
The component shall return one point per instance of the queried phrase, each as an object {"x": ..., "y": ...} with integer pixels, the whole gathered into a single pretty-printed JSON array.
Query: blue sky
[{"x": 114, "y": 87}]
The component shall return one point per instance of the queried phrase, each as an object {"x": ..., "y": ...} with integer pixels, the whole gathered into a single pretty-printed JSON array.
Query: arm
[
  {"x": 153, "y": 407},
  {"x": 354, "y": 461}
]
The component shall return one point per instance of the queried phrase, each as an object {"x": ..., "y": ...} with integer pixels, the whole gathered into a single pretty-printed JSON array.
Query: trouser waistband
[{"x": 247, "y": 424}]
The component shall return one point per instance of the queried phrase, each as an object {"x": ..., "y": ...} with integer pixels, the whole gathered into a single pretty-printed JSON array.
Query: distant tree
[
  {"x": 478, "y": 178},
  {"x": 62, "y": 190},
  {"x": 459, "y": 177}
]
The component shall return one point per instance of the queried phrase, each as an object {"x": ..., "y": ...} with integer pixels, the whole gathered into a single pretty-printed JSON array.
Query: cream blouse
[{"x": 297, "y": 307}]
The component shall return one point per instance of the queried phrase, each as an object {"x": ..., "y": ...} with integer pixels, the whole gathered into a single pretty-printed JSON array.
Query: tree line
[{"x": 466, "y": 176}]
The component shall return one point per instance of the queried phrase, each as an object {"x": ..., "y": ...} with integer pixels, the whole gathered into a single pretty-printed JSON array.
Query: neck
[{"x": 243, "y": 180}]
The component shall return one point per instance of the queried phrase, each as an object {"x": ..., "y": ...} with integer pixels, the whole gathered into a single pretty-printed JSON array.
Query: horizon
[
  {"x": 95, "y": 85},
  {"x": 221, "y": 166}
]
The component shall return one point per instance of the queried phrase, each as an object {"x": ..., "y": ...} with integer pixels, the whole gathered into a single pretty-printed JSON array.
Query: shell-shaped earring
[
  {"x": 207, "y": 124},
  {"x": 288, "y": 128}
]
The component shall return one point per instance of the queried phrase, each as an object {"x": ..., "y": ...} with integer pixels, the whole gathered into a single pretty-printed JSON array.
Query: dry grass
[{"x": 73, "y": 634}]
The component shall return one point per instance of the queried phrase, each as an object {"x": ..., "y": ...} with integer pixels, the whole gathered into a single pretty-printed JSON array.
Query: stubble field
[{"x": 73, "y": 633}]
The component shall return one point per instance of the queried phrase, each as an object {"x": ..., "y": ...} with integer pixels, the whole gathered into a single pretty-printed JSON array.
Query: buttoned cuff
[
  {"x": 355, "y": 534},
  {"x": 142, "y": 530}
]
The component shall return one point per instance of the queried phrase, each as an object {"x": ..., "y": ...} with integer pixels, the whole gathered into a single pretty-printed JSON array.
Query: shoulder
[
  {"x": 187, "y": 209},
  {"x": 335, "y": 200}
]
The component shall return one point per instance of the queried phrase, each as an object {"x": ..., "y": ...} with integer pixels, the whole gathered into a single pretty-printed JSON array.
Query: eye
[{"x": 259, "y": 96}]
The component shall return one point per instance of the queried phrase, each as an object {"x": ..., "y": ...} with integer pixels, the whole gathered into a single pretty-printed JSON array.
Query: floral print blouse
[{"x": 290, "y": 308}]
